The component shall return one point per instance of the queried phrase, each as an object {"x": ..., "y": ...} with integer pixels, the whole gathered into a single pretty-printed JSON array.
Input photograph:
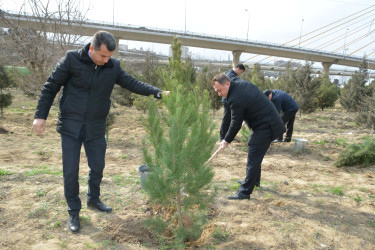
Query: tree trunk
[{"x": 179, "y": 209}]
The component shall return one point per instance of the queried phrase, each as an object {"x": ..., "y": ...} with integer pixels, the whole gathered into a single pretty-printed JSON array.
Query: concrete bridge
[{"x": 237, "y": 46}]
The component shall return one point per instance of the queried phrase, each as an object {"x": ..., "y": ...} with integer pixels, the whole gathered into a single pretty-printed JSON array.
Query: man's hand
[
  {"x": 223, "y": 145},
  {"x": 39, "y": 125}
]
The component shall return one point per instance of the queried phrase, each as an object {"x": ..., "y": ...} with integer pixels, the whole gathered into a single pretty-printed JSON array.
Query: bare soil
[{"x": 304, "y": 202}]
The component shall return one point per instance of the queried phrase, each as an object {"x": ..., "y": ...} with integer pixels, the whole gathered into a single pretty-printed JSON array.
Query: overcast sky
[{"x": 275, "y": 21}]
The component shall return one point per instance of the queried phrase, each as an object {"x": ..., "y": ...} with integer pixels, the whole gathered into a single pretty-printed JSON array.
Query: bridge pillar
[
  {"x": 236, "y": 57},
  {"x": 326, "y": 67},
  {"x": 115, "y": 53}
]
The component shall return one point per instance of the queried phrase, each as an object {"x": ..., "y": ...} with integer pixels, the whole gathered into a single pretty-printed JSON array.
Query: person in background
[
  {"x": 285, "y": 103},
  {"x": 87, "y": 76},
  {"x": 245, "y": 102}
]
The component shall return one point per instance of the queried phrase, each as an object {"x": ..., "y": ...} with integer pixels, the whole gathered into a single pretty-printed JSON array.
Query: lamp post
[
  {"x": 185, "y": 16},
  {"x": 300, "y": 35},
  {"x": 113, "y": 12},
  {"x": 248, "y": 24}
]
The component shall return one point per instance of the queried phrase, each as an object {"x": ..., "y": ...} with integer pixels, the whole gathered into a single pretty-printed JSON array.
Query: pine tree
[
  {"x": 305, "y": 88},
  {"x": 257, "y": 77},
  {"x": 5, "y": 82},
  {"x": 355, "y": 91},
  {"x": 327, "y": 94},
  {"x": 182, "y": 138},
  {"x": 204, "y": 83}
]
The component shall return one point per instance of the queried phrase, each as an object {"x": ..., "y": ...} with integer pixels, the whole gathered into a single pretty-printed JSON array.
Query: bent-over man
[{"x": 245, "y": 102}]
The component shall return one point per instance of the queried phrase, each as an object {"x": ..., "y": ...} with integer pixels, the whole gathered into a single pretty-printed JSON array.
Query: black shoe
[
  {"x": 286, "y": 140},
  {"x": 99, "y": 205},
  {"x": 74, "y": 223},
  {"x": 278, "y": 140},
  {"x": 239, "y": 196}
]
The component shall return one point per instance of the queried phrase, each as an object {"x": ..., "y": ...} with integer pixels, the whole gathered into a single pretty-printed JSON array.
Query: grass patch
[
  {"x": 4, "y": 172},
  {"x": 124, "y": 156},
  {"x": 336, "y": 191},
  {"x": 220, "y": 235},
  {"x": 84, "y": 219},
  {"x": 43, "y": 170},
  {"x": 41, "y": 193},
  {"x": 341, "y": 142},
  {"x": 39, "y": 212},
  {"x": 322, "y": 142},
  {"x": 357, "y": 198}
]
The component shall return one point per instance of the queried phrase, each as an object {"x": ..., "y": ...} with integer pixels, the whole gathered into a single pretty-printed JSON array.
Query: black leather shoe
[
  {"x": 286, "y": 140},
  {"x": 239, "y": 196},
  {"x": 99, "y": 205},
  {"x": 74, "y": 223}
]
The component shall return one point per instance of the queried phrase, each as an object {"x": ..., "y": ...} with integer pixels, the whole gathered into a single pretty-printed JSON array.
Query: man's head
[
  {"x": 221, "y": 84},
  {"x": 102, "y": 46},
  {"x": 268, "y": 93},
  {"x": 239, "y": 69}
]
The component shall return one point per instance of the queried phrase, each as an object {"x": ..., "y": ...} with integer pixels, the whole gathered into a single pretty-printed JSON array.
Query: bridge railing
[{"x": 190, "y": 34}]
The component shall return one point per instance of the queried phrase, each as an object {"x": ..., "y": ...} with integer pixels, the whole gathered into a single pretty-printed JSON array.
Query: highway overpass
[{"x": 237, "y": 46}]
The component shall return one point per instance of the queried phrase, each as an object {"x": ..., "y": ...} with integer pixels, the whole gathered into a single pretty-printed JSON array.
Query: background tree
[
  {"x": 305, "y": 88},
  {"x": 355, "y": 91},
  {"x": 40, "y": 44},
  {"x": 257, "y": 77},
  {"x": 182, "y": 139},
  {"x": 327, "y": 93},
  {"x": 150, "y": 73},
  {"x": 5, "y": 82},
  {"x": 286, "y": 81},
  {"x": 204, "y": 83}
]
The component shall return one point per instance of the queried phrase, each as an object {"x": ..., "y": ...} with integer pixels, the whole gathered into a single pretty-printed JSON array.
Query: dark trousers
[
  {"x": 288, "y": 119},
  {"x": 257, "y": 150},
  {"x": 95, "y": 153}
]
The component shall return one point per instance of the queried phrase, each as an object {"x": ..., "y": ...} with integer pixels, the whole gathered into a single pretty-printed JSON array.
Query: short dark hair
[
  {"x": 220, "y": 78},
  {"x": 103, "y": 37},
  {"x": 240, "y": 66},
  {"x": 267, "y": 92}
]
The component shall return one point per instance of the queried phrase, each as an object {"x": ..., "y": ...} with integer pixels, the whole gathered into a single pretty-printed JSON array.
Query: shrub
[{"x": 362, "y": 154}]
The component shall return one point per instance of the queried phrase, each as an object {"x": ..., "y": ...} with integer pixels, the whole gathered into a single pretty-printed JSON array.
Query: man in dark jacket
[
  {"x": 247, "y": 103},
  {"x": 284, "y": 102},
  {"x": 87, "y": 76}
]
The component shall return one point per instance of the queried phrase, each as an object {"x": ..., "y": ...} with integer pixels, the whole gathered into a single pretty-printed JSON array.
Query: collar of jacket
[{"x": 84, "y": 57}]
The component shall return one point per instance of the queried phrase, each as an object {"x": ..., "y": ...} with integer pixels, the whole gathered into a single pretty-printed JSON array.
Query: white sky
[{"x": 274, "y": 21}]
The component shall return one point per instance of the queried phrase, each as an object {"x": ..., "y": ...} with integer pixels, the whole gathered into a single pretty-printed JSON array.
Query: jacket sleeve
[
  {"x": 57, "y": 78},
  {"x": 236, "y": 119},
  {"x": 130, "y": 83},
  {"x": 225, "y": 122}
]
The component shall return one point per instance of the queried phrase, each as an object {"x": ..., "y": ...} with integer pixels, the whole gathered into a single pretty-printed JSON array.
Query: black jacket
[
  {"x": 247, "y": 103},
  {"x": 87, "y": 88}
]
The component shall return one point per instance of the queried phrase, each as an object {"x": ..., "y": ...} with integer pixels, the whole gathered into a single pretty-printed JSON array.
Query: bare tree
[{"x": 37, "y": 40}]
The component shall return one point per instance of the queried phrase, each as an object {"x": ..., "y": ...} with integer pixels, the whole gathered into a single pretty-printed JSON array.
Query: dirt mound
[{"x": 129, "y": 230}]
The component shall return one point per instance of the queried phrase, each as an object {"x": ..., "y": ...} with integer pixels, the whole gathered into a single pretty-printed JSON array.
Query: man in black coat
[
  {"x": 87, "y": 76},
  {"x": 284, "y": 102},
  {"x": 247, "y": 103}
]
